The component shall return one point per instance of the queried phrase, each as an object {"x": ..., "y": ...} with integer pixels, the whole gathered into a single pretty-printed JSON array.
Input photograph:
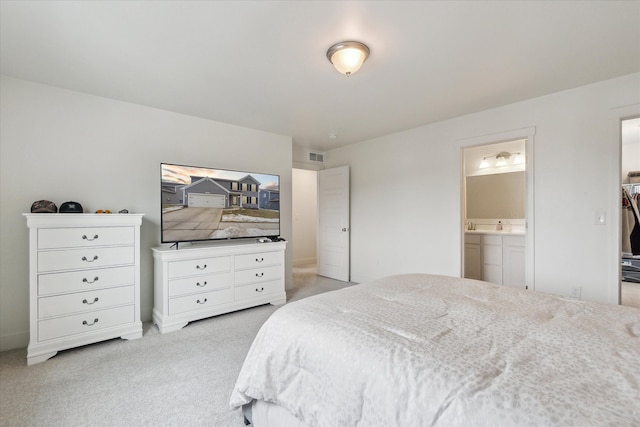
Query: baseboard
[
  {"x": 305, "y": 261},
  {"x": 362, "y": 279},
  {"x": 14, "y": 341}
]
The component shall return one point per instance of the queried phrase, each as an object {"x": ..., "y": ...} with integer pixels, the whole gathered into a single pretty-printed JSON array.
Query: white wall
[
  {"x": 301, "y": 160},
  {"x": 305, "y": 217},
  {"x": 405, "y": 190},
  {"x": 61, "y": 145}
]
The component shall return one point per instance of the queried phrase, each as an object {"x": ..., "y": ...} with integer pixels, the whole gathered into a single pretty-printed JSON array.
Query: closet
[{"x": 631, "y": 229}]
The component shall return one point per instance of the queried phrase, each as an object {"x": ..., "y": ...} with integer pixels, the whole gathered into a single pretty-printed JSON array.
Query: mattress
[{"x": 426, "y": 350}]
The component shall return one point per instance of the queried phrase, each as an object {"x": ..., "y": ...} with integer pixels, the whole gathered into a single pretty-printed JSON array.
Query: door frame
[
  {"x": 512, "y": 135},
  {"x": 616, "y": 116}
]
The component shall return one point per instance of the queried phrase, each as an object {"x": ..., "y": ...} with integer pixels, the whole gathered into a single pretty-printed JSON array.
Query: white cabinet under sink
[
  {"x": 496, "y": 258},
  {"x": 473, "y": 256},
  {"x": 513, "y": 261}
]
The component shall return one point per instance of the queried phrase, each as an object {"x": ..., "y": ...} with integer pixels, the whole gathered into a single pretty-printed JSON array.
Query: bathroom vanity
[{"x": 495, "y": 256}]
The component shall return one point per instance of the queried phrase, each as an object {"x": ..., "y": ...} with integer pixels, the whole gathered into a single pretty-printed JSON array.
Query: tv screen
[{"x": 201, "y": 203}]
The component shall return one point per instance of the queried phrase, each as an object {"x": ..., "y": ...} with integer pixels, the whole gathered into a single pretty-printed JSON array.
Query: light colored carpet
[
  {"x": 630, "y": 294},
  {"x": 183, "y": 378}
]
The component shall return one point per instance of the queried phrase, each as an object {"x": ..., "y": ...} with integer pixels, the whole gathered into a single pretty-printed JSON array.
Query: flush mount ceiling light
[{"x": 347, "y": 57}]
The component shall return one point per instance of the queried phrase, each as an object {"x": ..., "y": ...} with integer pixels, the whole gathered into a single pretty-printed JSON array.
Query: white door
[{"x": 333, "y": 223}]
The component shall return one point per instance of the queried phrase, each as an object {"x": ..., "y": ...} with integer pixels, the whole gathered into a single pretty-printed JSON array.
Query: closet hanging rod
[{"x": 632, "y": 188}]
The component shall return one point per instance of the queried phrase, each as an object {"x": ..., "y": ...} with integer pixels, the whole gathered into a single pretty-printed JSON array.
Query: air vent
[{"x": 316, "y": 157}]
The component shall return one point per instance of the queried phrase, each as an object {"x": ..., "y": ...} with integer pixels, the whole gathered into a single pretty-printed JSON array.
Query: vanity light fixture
[
  {"x": 501, "y": 159},
  {"x": 518, "y": 160},
  {"x": 348, "y": 56}
]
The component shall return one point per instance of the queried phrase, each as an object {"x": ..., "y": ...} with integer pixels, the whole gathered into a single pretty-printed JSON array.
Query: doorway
[
  {"x": 320, "y": 230},
  {"x": 495, "y": 213},
  {"x": 305, "y": 218},
  {"x": 498, "y": 245},
  {"x": 630, "y": 218}
]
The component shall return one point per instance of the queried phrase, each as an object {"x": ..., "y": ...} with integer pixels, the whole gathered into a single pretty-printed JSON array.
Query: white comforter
[{"x": 423, "y": 350}]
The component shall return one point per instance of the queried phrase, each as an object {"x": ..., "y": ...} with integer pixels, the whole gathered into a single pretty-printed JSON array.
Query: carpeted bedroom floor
[{"x": 182, "y": 378}]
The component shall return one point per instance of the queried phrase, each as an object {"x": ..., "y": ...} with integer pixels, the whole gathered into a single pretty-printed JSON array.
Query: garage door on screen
[{"x": 198, "y": 200}]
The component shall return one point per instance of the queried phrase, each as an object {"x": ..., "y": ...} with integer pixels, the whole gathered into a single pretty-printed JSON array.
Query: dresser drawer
[
  {"x": 199, "y": 301},
  {"x": 73, "y": 281},
  {"x": 84, "y": 301},
  {"x": 196, "y": 284},
  {"x": 250, "y": 291},
  {"x": 258, "y": 275},
  {"x": 84, "y": 258},
  {"x": 199, "y": 266},
  {"x": 51, "y": 238},
  {"x": 258, "y": 260},
  {"x": 86, "y": 322}
]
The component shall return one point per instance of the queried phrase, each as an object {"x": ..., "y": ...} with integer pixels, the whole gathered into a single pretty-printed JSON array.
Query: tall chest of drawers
[
  {"x": 84, "y": 280},
  {"x": 203, "y": 281}
]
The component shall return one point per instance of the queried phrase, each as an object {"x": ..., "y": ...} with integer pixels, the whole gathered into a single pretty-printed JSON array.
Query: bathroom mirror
[{"x": 496, "y": 196}]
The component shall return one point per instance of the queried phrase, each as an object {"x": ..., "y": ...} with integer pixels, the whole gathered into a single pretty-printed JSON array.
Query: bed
[{"x": 427, "y": 350}]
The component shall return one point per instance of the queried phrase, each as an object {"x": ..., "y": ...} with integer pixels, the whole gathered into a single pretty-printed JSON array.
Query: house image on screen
[
  {"x": 269, "y": 199},
  {"x": 207, "y": 192}
]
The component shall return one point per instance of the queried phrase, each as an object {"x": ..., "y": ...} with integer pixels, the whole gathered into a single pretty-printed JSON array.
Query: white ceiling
[{"x": 262, "y": 64}]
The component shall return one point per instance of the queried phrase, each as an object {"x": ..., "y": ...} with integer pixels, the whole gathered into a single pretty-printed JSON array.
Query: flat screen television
[{"x": 202, "y": 203}]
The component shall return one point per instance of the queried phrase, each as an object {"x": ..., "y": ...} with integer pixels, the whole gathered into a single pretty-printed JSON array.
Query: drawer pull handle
[
  {"x": 259, "y": 274},
  {"x": 259, "y": 290},
  {"x": 95, "y": 300},
  {"x": 84, "y": 237},
  {"x": 259, "y": 259},
  {"x": 95, "y": 257},
  {"x": 95, "y": 279},
  {"x": 203, "y": 301},
  {"x": 201, "y": 286},
  {"x": 84, "y": 322},
  {"x": 201, "y": 268}
]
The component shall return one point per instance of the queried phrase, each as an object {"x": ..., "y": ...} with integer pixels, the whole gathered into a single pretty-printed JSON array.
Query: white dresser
[
  {"x": 206, "y": 280},
  {"x": 84, "y": 280}
]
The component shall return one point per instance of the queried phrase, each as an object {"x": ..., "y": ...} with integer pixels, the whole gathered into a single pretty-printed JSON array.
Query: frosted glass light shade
[
  {"x": 518, "y": 160},
  {"x": 348, "y": 57}
]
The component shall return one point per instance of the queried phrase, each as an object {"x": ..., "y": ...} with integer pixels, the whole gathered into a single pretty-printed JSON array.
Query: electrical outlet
[{"x": 576, "y": 292}]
